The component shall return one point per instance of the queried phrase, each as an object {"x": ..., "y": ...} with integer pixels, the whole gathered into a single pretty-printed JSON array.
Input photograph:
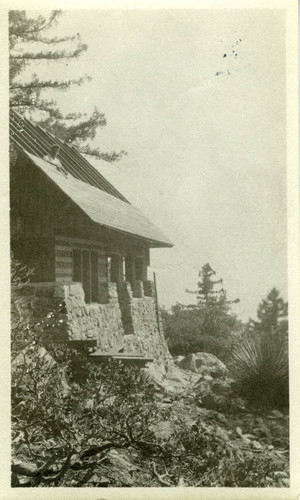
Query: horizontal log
[
  {"x": 63, "y": 253},
  {"x": 63, "y": 264},
  {"x": 63, "y": 247},
  {"x": 80, "y": 241},
  {"x": 64, "y": 275},
  {"x": 63, "y": 279},
  {"x": 78, "y": 246},
  {"x": 64, "y": 259}
]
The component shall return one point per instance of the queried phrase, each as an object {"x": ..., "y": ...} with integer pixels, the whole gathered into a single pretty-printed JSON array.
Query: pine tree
[
  {"x": 206, "y": 294},
  {"x": 29, "y": 44},
  {"x": 208, "y": 325},
  {"x": 272, "y": 315}
]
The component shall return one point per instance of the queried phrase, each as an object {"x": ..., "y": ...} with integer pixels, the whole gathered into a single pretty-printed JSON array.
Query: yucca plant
[{"x": 260, "y": 370}]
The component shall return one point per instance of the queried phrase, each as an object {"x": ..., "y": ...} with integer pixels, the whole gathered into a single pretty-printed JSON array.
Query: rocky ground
[
  {"x": 199, "y": 387},
  {"x": 218, "y": 439}
]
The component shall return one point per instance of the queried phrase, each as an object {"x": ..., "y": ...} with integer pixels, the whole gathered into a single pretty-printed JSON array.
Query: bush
[
  {"x": 260, "y": 368},
  {"x": 205, "y": 454},
  {"x": 60, "y": 420},
  {"x": 191, "y": 329}
]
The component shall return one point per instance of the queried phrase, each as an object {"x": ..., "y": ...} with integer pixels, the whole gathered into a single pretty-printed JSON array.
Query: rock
[
  {"x": 204, "y": 363},
  {"x": 25, "y": 356},
  {"x": 285, "y": 482},
  {"x": 277, "y": 414},
  {"x": 24, "y": 468},
  {"x": 103, "y": 482},
  {"x": 213, "y": 402},
  {"x": 163, "y": 430},
  {"x": 177, "y": 359},
  {"x": 119, "y": 467},
  {"x": 280, "y": 473},
  {"x": 171, "y": 381},
  {"x": 256, "y": 445}
]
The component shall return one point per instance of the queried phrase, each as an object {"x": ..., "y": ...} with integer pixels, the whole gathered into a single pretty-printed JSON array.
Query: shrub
[
  {"x": 260, "y": 368},
  {"x": 191, "y": 329},
  {"x": 59, "y": 422}
]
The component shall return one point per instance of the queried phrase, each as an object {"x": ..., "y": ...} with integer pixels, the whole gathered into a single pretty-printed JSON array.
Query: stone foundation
[{"x": 125, "y": 320}]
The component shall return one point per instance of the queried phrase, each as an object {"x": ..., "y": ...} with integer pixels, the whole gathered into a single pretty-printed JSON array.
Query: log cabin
[{"x": 86, "y": 244}]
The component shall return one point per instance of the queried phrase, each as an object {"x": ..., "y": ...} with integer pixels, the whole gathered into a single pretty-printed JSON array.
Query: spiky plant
[{"x": 260, "y": 369}]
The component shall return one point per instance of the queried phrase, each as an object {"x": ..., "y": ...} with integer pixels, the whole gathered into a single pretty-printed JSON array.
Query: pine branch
[
  {"x": 17, "y": 32},
  {"x": 51, "y": 41},
  {"x": 100, "y": 155},
  {"x": 63, "y": 54},
  {"x": 37, "y": 84}
]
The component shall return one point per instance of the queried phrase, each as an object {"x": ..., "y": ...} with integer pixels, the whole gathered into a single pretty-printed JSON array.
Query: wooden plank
[
  {"x": 63, "y": 270},
  {"x": 63, "y": 265},
  {"x": 63, "y": 279},
  {"x": 63, "y": 253},
  {"x": 60, "y": 273},
  {"x": 63, "y": 248},
  {"x": 64, "y": 245},
  {"x": 64, "y": 259},
  {"x": 79, "y": 240}
]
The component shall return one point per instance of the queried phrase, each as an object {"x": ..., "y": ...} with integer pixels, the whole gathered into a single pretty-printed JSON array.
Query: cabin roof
[
  {"x": 104, "y": 205},
  {"x": 28, "y": 136}
]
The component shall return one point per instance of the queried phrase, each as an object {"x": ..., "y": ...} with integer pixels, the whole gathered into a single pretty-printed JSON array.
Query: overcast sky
[{"x": 205, "y": 136}]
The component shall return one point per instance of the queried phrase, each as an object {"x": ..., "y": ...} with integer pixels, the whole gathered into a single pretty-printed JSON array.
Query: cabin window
[{"x": 86, "y": 271}]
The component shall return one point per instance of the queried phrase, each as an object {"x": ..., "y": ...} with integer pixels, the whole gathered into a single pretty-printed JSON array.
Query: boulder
[
  {"x": 203, "y": 363},
  {"x": 118, "y": 468},
  {"x": 172, "y": 380},
  {"x": 177, "y": 360}
]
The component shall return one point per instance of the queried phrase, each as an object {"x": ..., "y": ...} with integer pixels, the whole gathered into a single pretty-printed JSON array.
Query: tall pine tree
[
  {"x": 272, "y": 315},
  {"x": 206, "y": 293},
  {"x": 207, "y": 325},
  {"x": 30, "y": 42}
]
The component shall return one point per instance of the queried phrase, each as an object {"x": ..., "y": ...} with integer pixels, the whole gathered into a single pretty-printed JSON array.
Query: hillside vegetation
[{"x": 195, "y": 421}]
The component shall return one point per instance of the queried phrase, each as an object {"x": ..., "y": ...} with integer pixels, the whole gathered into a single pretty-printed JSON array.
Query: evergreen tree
[
  {"x": 29, "y": 44},
  {"x": 206, "y": 294},
  {"x": 207, "y": 325},
  {"x": 272, "y": 315}
]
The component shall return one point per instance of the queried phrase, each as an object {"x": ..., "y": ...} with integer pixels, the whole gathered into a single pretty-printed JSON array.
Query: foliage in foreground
[
  {"x": 76, "y": 423},
  {"x": 67, "y": 417},
  {"x": 260, "y": 369}
]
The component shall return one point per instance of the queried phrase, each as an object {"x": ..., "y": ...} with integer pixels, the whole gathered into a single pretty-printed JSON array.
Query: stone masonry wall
[
  {"x": 101, "y": 322},
  {"x": 142, "y": 332},
  {"x": 123, "y": 321}
]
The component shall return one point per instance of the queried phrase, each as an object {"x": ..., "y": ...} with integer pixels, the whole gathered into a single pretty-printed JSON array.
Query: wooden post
[{"x": 156, "y": 302}]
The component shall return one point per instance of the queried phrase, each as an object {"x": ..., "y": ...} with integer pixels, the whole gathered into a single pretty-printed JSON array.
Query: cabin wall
[
  {"x": 31, "y": 221},
  {"x": 102, "y": 322},
  {"x": 46, "y": 230},
  {"x": 38, "y": 255}
]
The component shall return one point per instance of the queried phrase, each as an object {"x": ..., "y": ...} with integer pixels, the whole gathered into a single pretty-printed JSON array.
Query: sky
[{"x": 197, "y": 99}]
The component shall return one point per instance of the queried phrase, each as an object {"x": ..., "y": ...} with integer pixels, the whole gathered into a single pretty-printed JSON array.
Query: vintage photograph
[{"x": 148, "y": 248}]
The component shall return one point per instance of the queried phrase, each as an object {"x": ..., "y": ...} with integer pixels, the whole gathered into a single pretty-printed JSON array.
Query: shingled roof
[
  {"x": 85, "y": 186},
  {"x": 31, "y": 138}
]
